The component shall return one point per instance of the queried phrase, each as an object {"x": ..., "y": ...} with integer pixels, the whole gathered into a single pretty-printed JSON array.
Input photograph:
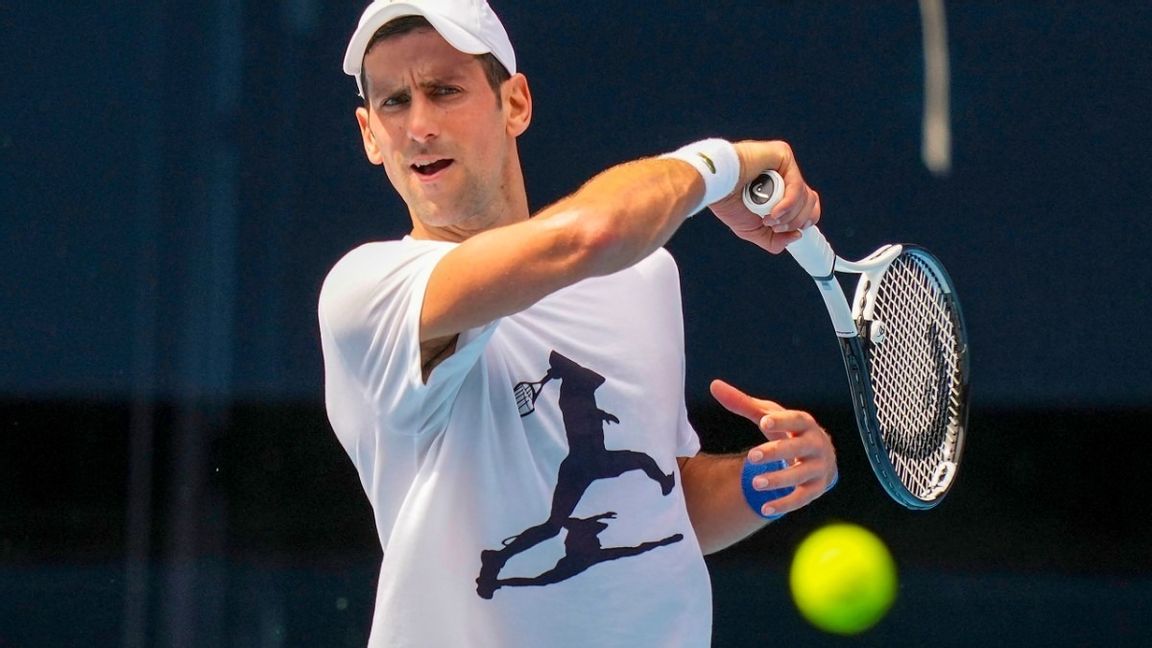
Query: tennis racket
[
  {"x": 527, "y": 393},
  {"x": 905, "y": 350}
]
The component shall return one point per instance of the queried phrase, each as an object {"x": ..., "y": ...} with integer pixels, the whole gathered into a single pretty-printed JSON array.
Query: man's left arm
[{"x": 720, "y": 514}]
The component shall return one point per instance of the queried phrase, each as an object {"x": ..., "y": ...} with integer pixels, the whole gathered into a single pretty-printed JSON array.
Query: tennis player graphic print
[{"x": 588, "y": 461}]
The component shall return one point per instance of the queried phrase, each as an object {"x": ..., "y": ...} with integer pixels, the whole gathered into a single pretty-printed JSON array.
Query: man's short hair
[{"x": 494, "y": 70}]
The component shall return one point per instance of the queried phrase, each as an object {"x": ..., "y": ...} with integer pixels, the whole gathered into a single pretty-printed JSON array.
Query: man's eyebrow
[
  {"x": 439, "y": 79},
  {"x": 430, "y": 81},
  {"x": 384, "y": 88}
]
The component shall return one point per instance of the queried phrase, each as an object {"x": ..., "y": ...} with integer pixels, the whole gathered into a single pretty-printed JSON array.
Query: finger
[
  {"x": 772, "y": 451},
  {"x": 756, "y": 156},
  {"x": 793, "y": 204},
  {"x": 772, "y": 241},
  {"x": 783, "y": 423},
  {"x": 796, "y": 191},
  {"x": 761, "y": 234},
  {"x": 791, "y": 475},
  {"x": 791, "y": 447},
  {"x": 742, "y": 404},
  {"x": 805, "y": 211},
  {"x": 801, "y": 496},
  {"x": 811, "y": 213},
  {"x": 814, "y": 214},
  {"x": 810, "y": 444},
  {"x": 791, "y": 488}
]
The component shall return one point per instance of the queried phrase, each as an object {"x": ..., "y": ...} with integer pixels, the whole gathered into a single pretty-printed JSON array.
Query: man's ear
[
  {"x": 517, "y": 103},
  {"x": 371, "y": 148}
]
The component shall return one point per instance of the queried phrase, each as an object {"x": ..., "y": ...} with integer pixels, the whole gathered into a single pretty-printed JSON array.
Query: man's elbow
[{"x": 589, "y": 240}]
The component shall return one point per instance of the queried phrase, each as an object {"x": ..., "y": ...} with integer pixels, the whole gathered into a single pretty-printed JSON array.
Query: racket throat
[{"x": 837, "y": 305}]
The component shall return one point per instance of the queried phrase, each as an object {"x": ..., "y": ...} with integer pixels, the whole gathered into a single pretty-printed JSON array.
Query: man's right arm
[{"x": 616, "y": 219}]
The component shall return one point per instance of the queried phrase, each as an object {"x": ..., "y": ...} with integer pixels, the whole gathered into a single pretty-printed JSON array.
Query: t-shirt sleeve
[
  {"x": 687, "y": 439},
  {"x": 370, "y": 317}
]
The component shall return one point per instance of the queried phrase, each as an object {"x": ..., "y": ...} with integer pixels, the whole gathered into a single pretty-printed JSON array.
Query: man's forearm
[
  {"x": 615, "y": 220},
  {"x": 720, "y": 515},
  {"x": 631, "y": 210}
]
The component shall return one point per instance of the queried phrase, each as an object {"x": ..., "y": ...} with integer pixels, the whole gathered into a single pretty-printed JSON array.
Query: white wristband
[{"x": 717, "y": 163}]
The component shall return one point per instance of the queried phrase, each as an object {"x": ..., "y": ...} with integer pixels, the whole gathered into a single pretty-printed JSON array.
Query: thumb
[{"x": 742, "y": 404}]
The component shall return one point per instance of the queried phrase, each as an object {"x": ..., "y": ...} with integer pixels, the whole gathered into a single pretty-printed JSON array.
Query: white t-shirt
[{"x": 563, "y": 527}]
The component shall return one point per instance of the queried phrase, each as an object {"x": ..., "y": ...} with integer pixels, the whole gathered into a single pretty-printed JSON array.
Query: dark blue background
[{"x": 176, "y": 178}]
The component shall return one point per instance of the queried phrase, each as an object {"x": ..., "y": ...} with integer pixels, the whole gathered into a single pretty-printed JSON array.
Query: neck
[{"x": 509, "y": 207}]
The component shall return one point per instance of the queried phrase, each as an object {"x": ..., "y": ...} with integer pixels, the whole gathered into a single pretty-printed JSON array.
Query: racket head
[
  {"x": 909, "y": 371},
  {"x": 526, "y": 393}
]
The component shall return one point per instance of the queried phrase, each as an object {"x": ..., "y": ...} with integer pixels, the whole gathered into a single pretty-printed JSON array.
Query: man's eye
[
  {"x": 445, "y": 90},
  {"x": 394, "y": 100}
]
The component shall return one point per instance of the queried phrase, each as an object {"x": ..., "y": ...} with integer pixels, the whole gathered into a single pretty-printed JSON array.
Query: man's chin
[{"x": 433, "y": 218}]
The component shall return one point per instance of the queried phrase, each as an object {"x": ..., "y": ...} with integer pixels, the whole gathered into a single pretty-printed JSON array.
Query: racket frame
[
  {"x": 526, "y": 392},
  {"x": 856, "y": 323}
]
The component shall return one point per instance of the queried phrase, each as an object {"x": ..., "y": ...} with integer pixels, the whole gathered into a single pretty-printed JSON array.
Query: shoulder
[
  {"x": 376, "y": 281},
  {"x": 660, "y": 267},
  {"x": 663, "y": 260},
  {"x": 385, "y": 256},
  {"x": 382, "y": 261}
]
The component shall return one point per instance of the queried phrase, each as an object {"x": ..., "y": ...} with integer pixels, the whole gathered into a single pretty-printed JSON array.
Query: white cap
[{"x": 468, "y": 25}]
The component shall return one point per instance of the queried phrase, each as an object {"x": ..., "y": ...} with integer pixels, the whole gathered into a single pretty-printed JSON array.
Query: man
[{"x": 510, "y": 389}]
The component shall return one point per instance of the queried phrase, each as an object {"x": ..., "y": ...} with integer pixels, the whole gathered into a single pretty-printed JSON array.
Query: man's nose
[{"x": 422, "y": 119}]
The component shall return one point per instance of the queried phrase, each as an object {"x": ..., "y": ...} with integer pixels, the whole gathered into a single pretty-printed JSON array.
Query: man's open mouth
[{"x": 431, "y": 167}]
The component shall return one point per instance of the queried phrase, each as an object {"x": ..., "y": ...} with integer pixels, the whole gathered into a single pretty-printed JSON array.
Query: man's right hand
[{"x": 799, "y": 207}]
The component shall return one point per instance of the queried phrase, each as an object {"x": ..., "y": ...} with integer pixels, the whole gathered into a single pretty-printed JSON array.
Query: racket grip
[
  {"x": 762, "y": 194},
  {"x": 757, "y": 498},
  {"x": 813, "y": 253}
]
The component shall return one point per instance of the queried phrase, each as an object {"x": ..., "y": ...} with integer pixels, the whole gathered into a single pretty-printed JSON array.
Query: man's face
[{"x": 436, "y": 127}]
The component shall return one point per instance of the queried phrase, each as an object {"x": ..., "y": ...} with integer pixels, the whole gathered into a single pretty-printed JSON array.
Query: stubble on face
[
  {"x": 470, "y": 200},
  {"x": 433, "y": 105}
]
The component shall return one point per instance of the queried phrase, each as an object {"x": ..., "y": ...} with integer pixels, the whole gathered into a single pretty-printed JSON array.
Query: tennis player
[{"x": 510, "y": 387}]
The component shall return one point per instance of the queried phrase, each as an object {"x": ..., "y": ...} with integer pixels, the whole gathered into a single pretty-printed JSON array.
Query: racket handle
[
  {"x": 812, "y": 251},
  {"x": 762, "y": 194},
  {"x": 814, "y": 254}
]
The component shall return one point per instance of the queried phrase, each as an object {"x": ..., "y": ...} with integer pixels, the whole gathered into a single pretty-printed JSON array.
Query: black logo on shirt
[{"x": 587, "y": 461}]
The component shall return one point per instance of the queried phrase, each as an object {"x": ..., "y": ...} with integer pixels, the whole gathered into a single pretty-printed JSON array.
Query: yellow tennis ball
[{"x": 843, "y": 579}]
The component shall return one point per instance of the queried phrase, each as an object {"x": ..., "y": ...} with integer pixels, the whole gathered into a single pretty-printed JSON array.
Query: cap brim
[{"x": 456, "y": 36}]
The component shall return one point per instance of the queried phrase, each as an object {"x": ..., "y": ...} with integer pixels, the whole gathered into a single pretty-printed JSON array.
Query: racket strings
[
  {"x": 917, "y": 373},
  {"x": 524, "y": 401},
  {"x": 526, "y": 395}
]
